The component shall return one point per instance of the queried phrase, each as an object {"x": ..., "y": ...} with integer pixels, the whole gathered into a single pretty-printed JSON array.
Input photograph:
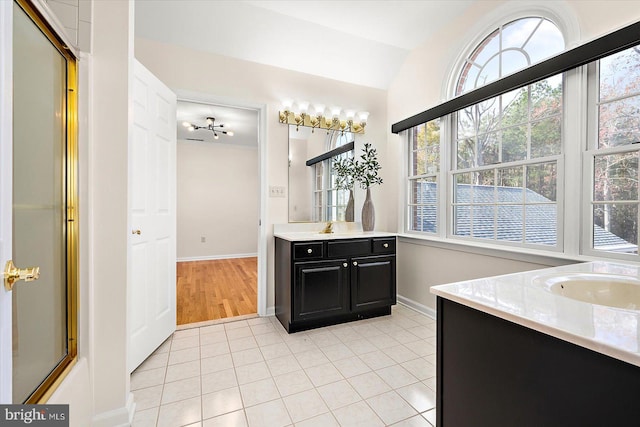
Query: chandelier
[{"x": 211, "y": 125}]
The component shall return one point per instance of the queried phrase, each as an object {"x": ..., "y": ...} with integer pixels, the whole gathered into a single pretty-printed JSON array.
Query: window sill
[{"x": 547, "y": 258}]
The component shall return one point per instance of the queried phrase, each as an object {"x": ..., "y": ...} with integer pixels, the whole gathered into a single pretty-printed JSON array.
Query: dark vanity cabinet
[{"x": 320, "y": 283}]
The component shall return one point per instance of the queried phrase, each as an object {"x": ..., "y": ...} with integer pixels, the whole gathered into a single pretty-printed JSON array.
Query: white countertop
[
  {"x": 524, "y": 298},
  {"x": 304, "y": 232},
  {"x": 304, "y": 236}
]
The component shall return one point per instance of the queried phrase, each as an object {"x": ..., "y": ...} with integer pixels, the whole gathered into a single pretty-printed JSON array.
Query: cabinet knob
[
  {"x": 345, "y": 265},
  {"x": 355, "y": 262},
  {"x": 386, "y": 245},
  {"x": 309, "y": 250}
]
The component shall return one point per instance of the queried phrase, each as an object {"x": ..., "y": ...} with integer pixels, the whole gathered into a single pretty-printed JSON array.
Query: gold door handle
[
  {"x": 12, "y": 274},
  {"x": 138, "y": 232}
]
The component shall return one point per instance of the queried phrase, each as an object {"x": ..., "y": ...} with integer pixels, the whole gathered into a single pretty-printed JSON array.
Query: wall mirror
[{"x": 313, "y": 196}]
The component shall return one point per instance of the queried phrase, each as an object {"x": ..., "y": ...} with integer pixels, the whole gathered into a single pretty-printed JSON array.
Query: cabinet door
[
  {"x": 373, "y": 282},
  {"x": 320, "y": 289}
]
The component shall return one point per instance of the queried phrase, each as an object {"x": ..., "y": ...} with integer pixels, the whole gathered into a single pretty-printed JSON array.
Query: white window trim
[
  {"x": 557, "y": 12},
  {"x": 569, "y": 191}
]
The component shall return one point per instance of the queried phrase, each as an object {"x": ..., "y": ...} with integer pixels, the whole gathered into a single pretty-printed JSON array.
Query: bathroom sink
[{"x": 601, "y": 289}]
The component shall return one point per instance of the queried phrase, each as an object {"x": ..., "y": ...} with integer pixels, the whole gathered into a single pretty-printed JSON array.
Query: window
[
  {"x": 424, "y": 158},
  {"x": 614, "y": 153},
  {"x": 505, "y": 175},
  {"x": 330, "y": 203},
  {"x": 504, "y": 152}
]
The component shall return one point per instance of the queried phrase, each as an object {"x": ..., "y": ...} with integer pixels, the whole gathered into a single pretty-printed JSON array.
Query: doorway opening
[{"x": 218, "y": 211}]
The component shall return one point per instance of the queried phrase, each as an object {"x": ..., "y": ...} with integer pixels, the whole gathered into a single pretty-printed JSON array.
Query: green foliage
[
  {"x": 345, "y": 171},
  {"x": 366, "y": 169}
]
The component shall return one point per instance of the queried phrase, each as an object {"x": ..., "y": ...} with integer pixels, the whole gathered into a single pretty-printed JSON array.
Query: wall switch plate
[{"x": 277, "y": 191}]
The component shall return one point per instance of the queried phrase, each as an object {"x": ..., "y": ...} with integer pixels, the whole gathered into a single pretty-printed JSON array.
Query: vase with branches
[
  {"x": 365, "y": 173},
  {"x": 344, "y": 168}
]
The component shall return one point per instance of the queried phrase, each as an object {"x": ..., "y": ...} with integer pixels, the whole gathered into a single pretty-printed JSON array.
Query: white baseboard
[
  {"x": 215, "y": 257},
  {"x": 414, "y": 305},
  {"x": 121, "y": 417},
  {"x": 271, "y": 311}
]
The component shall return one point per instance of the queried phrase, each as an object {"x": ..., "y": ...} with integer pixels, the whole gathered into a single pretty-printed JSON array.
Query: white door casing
[
  {"x": 6, "y": 196},
  {"x": 151, "y": 257}
]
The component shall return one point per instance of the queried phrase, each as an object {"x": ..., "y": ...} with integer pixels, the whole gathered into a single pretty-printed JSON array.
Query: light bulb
[
  {"x": 209, "y": 120},
  {"x": 215, "y": 136},
  {"x": 186, "y": 124},
  {"x": 287, "y": 104},
  {"x": 303, "y": 106},
  {"x": 191, "y": 128},
  {"x": 319, "y": 109},
  {"x": 363, "y": 115},
  {"x": 230, "y": 133},
  {"x": 350, "y": 114},
  {"x": 335, "y": 112}
]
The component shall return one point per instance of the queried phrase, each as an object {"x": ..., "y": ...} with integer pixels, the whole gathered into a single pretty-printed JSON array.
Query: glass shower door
[{"x": 40, "y": 208}]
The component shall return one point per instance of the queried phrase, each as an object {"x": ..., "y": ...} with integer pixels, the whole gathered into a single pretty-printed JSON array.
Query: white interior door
[{"x": 152, "y": 216}]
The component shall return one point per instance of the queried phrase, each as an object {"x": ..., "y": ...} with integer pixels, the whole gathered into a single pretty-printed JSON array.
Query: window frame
[
  {"x": 591, "y": 151},
  {"x": 445, "y": 176}
]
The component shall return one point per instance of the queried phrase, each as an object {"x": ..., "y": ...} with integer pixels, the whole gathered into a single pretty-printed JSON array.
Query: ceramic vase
[
  {"x": 368, "y": 213},
  {"x": 348, "y": 215}
]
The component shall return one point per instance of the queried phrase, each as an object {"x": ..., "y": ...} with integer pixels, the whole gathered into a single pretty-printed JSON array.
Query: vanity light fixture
[
  {"x": 211, "y": 125},
  {"x": 300, "y": 116}
]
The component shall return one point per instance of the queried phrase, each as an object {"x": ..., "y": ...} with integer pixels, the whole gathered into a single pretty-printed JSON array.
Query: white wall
[
  {"x": 422, "y": 83},
  {"x": 240, "y": 81},
  {"x": 218, "y": 199}
]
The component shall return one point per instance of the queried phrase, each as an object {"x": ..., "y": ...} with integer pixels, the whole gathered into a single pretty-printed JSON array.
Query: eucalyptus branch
[
  {"x": 345, "y": 172},
  {"x": 366, "y": 169}
]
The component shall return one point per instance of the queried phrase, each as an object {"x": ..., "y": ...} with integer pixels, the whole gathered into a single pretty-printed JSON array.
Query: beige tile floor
[{"x": 375, "y": 372}]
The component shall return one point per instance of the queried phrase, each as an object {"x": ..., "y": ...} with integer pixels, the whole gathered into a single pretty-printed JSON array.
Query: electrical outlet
[
  {"x": 277, "y": 191},
  {"x": 203, "y": 239}
]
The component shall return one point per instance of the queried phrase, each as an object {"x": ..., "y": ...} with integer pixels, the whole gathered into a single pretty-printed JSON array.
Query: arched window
[
  {"x": 508, "y": 49},
  {"x": 508, "y": 147},
  {"x": 553, "y": 165},
  {"x": 504, "y": 151}
]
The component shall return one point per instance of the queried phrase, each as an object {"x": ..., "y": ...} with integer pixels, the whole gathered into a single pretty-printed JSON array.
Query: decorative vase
[
  {"x": 368, "y": 213},
  {"x": 348, "y": 215}
]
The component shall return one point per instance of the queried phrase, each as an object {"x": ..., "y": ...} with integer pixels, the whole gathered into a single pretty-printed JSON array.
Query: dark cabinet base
[
  {"x": 321, "y": 283},
  {"x": 491, "y": 372},
  {"x": 304, "y": 325}
]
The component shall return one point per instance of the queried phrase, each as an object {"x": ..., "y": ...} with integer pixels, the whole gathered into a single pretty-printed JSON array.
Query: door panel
[
  {"x": 152, "y": 242},
  {"x": 321, "y": 289},
  {"x": 373, "y": 282}
]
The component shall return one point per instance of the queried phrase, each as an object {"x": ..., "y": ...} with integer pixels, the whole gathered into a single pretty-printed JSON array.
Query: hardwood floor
[{"x": 212, "y": 290}]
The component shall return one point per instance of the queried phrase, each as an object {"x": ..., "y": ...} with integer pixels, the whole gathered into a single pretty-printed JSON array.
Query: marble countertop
[
  {"x": 525, "y": 298},
  {"x": 304, "y": 236},
  {"x": 304, "y": 232}
]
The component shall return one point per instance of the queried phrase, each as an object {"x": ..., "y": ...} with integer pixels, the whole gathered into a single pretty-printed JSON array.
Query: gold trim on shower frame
[{"x": 57, "y": 375}]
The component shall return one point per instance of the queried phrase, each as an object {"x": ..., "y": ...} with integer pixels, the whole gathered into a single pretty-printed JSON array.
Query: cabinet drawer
[
  {"x": 351, "y": 247},
  {"x": 386, "y": 245},
  {"x": 308, "y": 250}
]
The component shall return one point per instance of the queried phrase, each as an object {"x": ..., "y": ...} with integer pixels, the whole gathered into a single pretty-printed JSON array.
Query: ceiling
[
  {"x": 362, "y": 42},
  {"x": 243, "y": 123}
]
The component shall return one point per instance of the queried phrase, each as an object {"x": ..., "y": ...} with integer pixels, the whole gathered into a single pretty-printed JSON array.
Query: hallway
[{"x": 217, "y": 289}]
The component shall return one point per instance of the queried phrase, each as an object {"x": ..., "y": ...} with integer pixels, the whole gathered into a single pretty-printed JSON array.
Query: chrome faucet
[{"x": 328, "y": 228}]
